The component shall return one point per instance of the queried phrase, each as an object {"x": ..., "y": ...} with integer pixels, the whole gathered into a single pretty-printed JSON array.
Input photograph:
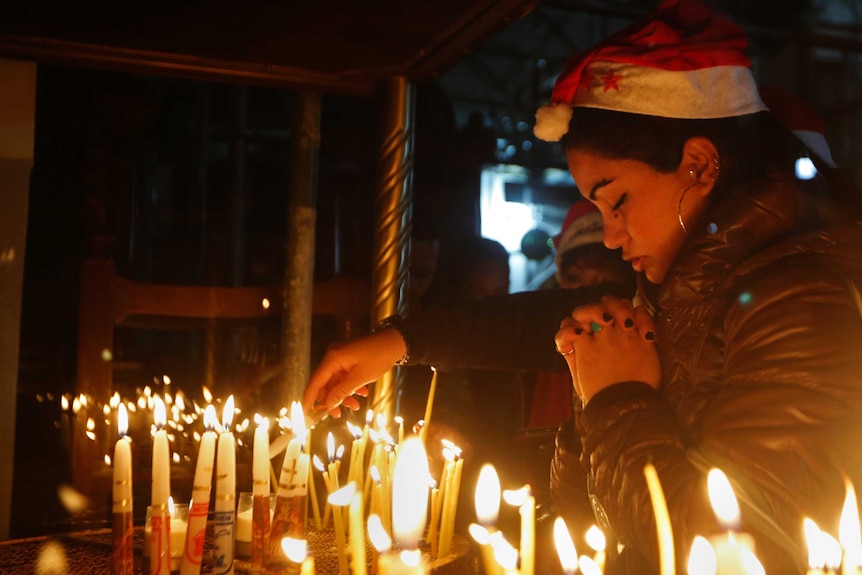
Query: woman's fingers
[{"x": 644, "y": 323}]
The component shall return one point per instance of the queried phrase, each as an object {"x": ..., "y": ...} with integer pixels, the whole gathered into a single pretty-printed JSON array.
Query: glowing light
[
  {"x": 295, "y": 549},
  {"x": 264, "y": 303},
  {"x": 487, "y": 498},
  {"x": 479, "y": 534},
  {"x": 122, "y": 421},
  {"x": 208, "y": 396},
  {"x": 107, "y": 355},
  {"x": 596, "y": 539},
  {"x": 159, "y": 416},
  {"x": 805, "y": 168},
  {"x": 410, "y": 493},
  {"x": 377, "y": 534},
  {"x": 227, "y": 413},
  {"x": 701, "y": 560},
  {"x": 588, "y": 566},
  {"x": 848, "y": 529},
  {"x": 565, "y": 547},
  {"x": 342, "y": 496},
  {"x": 722, "y": 498}
]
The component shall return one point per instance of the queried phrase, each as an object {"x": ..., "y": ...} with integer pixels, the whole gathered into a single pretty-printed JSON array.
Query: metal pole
[
  {"x": 299, "y": 255},
  {"x": 393, "y": 207}
]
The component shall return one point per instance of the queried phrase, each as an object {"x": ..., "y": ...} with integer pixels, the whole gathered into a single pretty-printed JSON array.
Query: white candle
[
  {"x": 664, "y": 532},
  {"x": 429, "y": 406},
  {"x": 357, "y": 533},
  {"x": 565, "y": 547},
  {"x": 526, "y": 503},
  {"x": 290, "y": 504},
  {"x": 225, "y": 504},
  {"x": 123, "y": 555},
  {"x": 849, "y": 532},
  {"x": 201, "y": 489},
  {"x": 487, "y": 502},
  {"x": 339, "y": 499},
  {"x": 159, "y": 539},
  {"x": 261, "y": 515}
]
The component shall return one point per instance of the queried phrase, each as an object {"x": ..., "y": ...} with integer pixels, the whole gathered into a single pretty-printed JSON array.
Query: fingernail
[
  {"x": 579, "y": 330},
  {"x": 650, "y": 335},
  {"x": 630, "y": 322},
  {"x": 607, "y": 317}
]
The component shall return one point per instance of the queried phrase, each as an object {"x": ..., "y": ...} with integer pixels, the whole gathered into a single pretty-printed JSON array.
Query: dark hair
[{"x": 748, "y": 145}]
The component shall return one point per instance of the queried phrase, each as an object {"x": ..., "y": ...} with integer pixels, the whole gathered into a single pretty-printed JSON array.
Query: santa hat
[
  {"x": 582, "y": 225},
  {"x": 682, "y": 61},
  {"x": 799, "y": 117}
]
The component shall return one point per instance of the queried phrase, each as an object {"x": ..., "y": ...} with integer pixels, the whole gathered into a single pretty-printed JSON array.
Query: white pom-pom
[{"x": 552, "y": 121}]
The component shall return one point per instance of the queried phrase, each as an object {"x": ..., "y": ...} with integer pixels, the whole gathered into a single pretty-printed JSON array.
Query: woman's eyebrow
[{"x": 595, "y": 188}]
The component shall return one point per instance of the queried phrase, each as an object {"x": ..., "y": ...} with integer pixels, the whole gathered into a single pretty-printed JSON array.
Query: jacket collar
[{"x": 750, "y": 218}]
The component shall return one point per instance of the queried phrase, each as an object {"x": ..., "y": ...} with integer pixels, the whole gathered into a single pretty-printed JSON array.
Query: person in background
[{"x": 744, "y": 354}]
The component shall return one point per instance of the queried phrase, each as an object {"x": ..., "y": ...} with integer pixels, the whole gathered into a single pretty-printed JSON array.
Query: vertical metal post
[
  {"x": 237, "y": 147},
  {"x": 393, "y": 214},
  {"x": 299, "y": 257}
]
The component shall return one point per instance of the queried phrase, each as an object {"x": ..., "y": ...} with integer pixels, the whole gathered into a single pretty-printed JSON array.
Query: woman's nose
[{"x": 614, "y": 233}]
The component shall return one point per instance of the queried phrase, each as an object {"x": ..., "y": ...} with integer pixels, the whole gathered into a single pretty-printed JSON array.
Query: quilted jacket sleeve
[{"x": 781, "y": 413}]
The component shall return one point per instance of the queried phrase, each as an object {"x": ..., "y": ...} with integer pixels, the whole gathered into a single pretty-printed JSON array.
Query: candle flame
[
  {"x": 107, "y": 460},
  {"x": 479, "y": 534},
  {"x": 295, "y": 549},
  {"x": 64, "y": 403},
  {"x": 722, "y": 498},
  {"x": 517, "y": 497},
  {"x": 377, "y": 534},
  {"x": 369, "y": 416},
  {"x": 824, "y": 551},
  {"x": 565, "y": 546},
  {"x": 504, "y": 553},
  {"x": 171, "y": 508},
  {"x": 297, "y": 420},
  {"x": 227, "y": 414},
  {"x": 848, "y": 528},
  {"x": 114, "y": 401},
  {"x": 210, "y": 418},
  {"x": 208, "y": 396},
  {"x": 317, "y": 463},
  {"x": 751, "y": 563},
  {"x": 596, "y": 539},
  {"x": 76, "y": 405},
  {"x": 411, "y": 558},
  {"x": 701, "y": 559},
  {"x": 375, "y": 474},
  {"x": 262, "y": 422},
  {"x": 264, "y": 303},
  {"x": 122, "y": 421},
  {"x": 354, "y": 430},
  {"x": 487, "y": 498},
  {"x": 342, "y": 496},
  {"x": 410, "y": 492},
  {"x": 180, "y": 401},
  {"x": 588, "y": 566},
  {"x": 159, "y": 416},
  {"x": 330, "y": 446},
  {"x": 381, "y": 421}
]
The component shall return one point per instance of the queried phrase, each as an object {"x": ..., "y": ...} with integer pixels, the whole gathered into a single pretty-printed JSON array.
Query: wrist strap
[{"x": 398, "y": 324}]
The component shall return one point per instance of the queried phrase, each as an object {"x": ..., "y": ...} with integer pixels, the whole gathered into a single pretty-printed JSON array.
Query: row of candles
[{"x": 372, "y": 477}]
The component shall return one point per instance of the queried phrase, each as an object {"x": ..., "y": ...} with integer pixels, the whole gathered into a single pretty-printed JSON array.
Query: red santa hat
[
  {"x": 682, "y": 61},
  {"x": 799, "y": 117},
  {"x": 582, "y": 225}
]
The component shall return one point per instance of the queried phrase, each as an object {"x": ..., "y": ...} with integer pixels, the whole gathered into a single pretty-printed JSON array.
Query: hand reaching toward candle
[
  {"x": 346, "y": 368},
  {"x": 612, "y": 342}
]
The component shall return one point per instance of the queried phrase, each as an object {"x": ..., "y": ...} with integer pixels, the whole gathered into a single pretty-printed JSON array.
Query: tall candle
[
  {"x": 160, "y": 556},
  {"x": 526, "y": 503},
  {"x": 429, "y": 406},
  {"x": 289, "y": 516},
  {"x": 487, "y": 502},
  {"x": 339, "y": 499},
  {"x": 260, "y": 517},
  {"x": 410, "y": 488},
  {"x": 225, "y": 504},
  {"x": 565, "y": 547},
  {"x": 196, "y": 531},
  {"x": 356, "y": 516},
  {"x": 667, "y": 560},
  {"x": 123, "y": 555}
]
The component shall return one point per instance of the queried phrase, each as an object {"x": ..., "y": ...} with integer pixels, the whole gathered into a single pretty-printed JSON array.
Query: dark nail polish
[
  {"x": 607, "y": 317},
  {"x": 650, "y": 335},
  {"x": 579, "y": 331},
  {"x": 630, "y": 322}
]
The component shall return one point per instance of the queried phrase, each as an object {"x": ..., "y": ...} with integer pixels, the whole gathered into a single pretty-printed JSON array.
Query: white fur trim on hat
[{"x": 552, "y": 121}]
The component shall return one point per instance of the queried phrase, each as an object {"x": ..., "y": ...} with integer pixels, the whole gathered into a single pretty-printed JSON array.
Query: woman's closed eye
[{"x": 620, "y": 202}]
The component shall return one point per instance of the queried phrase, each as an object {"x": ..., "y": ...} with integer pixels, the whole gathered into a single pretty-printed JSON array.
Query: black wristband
[{"x": 398, "y": 324}]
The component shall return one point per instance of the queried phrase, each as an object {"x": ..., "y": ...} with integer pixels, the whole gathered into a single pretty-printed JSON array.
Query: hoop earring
[
  {"x": 679, "y": 208},
  {"x": 717, "y": 168}
]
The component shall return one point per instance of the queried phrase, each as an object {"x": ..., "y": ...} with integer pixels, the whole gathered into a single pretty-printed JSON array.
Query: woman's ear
[{"x": 700, "y": 158}]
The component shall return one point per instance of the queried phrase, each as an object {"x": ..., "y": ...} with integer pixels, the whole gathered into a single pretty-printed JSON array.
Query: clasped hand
[{"x": 609, "y": 342}]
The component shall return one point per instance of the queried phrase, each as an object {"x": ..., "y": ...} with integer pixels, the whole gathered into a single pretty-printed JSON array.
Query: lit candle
[
  {"x": 123, "y": 554},
  {"x": 596, "y": 540},
  {"x": 487, "y": 502},
  {"x": 339, "y": 499},
  {"x": 261, "y": 516},
  {"x": 289, "y": 516},
  {"x": 525, "y": 502},
  {"x": 159, "y": 541},
  {"x": 733, "y": 549},
  {"x": 356, "y": 516},
  {"x": 849, "y": 532},
  {"x": 451, "y": 493},
  {"x": 701, "y": 558},
  {"x": 667, "y": 561},
  {"x": 381, "y": 543},
  {"x": 505, "y": 555},
  {"x": 225, "y": 503},
  {"x": 410, "y": 504},
  {"x": 196, "y": 531},
  {"x": 429, "y": 406},
  {"x": 296, "y": 551},
  {"x": 565, "y": 547},
  {"x": 824, "y": 551}
]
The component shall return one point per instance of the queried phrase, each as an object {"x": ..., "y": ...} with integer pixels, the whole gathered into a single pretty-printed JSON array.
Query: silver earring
[
  {"x": 717, "y": 168},
  {"x": 679, "y": 207}
]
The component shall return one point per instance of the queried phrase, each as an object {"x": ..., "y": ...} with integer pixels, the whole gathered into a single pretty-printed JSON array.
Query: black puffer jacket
[{"x": 760, "y": 337}]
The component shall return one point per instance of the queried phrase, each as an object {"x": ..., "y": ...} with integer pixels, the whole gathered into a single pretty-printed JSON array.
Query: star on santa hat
[{"x": 611, "y": 80}]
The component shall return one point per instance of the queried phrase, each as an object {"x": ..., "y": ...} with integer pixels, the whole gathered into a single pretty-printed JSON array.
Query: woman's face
[{"x": 638, "y": 206}]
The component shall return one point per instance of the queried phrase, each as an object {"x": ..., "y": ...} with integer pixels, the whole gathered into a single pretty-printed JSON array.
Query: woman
[{"x": 745, "y": 355}]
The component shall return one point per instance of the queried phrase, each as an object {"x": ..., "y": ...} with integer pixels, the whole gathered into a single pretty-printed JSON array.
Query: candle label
[
  {"x": 288, "y": 521},
  {"x": 123, "y": 554},
  {"x": 196, "y": 532},
  {"x": 160, "y": 533},
  {"x": 260, "y": 525},
  {"x": 223, "y": 542}
]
